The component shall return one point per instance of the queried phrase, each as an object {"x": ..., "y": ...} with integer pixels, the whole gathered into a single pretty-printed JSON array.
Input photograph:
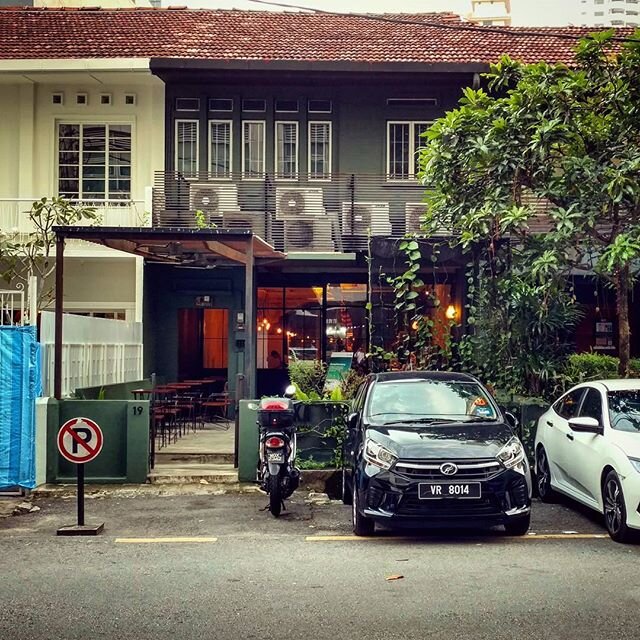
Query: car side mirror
[
  {"x": 352, "y": 421},
  {"x": 585, "y": 424},
  {"x": 512, "y": 421}
]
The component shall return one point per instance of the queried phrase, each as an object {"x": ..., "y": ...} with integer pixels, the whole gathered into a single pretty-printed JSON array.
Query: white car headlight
[
  {"x": 512, "y": 454},
  {"x": 378, "y": 455},
  {"x": 635, "y": 462}
]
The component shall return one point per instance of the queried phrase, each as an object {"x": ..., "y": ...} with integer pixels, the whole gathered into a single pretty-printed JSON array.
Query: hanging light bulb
[{"x": 451, "y": 312}]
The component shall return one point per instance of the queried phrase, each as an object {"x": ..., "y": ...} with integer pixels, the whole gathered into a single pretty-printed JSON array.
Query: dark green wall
[
  {"x": 360, "y": 111},
  {"x": 125, "y": 453}
]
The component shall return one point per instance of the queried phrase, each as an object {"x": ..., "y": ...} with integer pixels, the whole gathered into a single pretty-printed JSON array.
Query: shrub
[
  {"x": 350, "y": 383},
  {"x": 595, "y": 366},
  {"x": 308, "y": 376}
]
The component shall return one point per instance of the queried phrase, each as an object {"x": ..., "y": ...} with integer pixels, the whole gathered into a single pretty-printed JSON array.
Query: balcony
[
  {"x": 14, "y": 213},
  {"x": 334, "y": 215}
]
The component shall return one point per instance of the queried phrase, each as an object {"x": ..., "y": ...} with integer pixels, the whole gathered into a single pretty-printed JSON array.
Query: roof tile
[{"x": 27, "y": 33}]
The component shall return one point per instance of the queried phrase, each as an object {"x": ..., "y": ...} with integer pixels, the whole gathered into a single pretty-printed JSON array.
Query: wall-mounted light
[{"x": 451, "y": 312}]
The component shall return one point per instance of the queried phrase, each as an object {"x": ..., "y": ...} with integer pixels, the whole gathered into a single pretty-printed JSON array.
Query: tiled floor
[{"x": 211, "y": 439}]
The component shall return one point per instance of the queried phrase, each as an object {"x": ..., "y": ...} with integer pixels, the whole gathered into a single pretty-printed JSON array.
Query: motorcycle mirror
[
  {"x": 290, "y": 391},
  {"x": 253, "y": 406}
]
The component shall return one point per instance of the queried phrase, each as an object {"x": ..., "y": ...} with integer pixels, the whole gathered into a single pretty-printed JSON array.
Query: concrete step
[
  {"x": 193, "y": 473},
  {"x": 213, "y": 457}
]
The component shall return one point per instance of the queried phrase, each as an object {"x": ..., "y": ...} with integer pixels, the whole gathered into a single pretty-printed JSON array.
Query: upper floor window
[
  {"x": 187, "y": 147},
  {"x": 286, "y": 150},
  {"x": 403, "y": 142},
  {"x": 253, "y": 149},
  {"x": 94, "y": 161},
  {"x": 220, "y": 148},
  {"x": 319, "y": 150}
]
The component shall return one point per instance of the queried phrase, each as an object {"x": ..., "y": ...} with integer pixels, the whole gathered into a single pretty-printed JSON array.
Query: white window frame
[
  {"x": 276, "y": 158},
  {"x": 246, "y": 176},
  {"x": 89, "y": 121},
  {"x": 175, "y": 145},
  {"x": 209, "y": 172},
  {"x": 412, "y": 123},
  {"x": 330, "y": 163}
]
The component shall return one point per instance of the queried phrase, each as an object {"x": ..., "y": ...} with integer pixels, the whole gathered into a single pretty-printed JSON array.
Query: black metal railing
[{"x": 336, "y": 214}]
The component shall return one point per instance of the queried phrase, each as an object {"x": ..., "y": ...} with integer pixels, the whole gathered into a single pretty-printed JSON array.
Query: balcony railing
[
  {"x": 14, "y": 214},
  {"x": 336, "y": 214}
]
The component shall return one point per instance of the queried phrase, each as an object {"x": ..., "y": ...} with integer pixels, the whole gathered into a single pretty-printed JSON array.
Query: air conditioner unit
[
  {"x": 414, "y": 219},
  {"x": 245, "y": 221},
  {"x": 296, "y": 201},
  {"x": 307, "y": 234},
  {"x": 364, "y": 218},
  {"x": 213, "y": 199}
]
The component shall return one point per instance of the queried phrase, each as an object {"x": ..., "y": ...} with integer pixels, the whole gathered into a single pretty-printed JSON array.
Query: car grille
[
  {"x": 467, "y": 469},
  {"x": 411, "y": 505}
]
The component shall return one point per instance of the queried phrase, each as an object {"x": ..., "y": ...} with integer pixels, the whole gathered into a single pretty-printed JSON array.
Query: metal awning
[
  {"x": 205, "y": 248},
  {"x": 177, "y": 246}
]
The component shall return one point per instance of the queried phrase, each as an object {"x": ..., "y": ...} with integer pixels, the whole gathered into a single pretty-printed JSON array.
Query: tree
[
  {"x": 23, "y": 255},
  {"x": 552, "y": 146}
]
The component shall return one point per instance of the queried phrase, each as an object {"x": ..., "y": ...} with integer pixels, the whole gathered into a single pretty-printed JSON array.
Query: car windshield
[
  {"x": 422, "y": 400},
  {"x": 624, "y": 410}
]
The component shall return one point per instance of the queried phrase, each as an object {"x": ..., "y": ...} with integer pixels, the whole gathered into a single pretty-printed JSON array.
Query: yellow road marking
[
  {"x": 533, "y": 536},
  {"x": 163, "y": 540}
]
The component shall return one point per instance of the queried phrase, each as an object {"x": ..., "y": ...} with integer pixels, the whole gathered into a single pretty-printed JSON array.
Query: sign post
[{"x": 80, "y": 441}]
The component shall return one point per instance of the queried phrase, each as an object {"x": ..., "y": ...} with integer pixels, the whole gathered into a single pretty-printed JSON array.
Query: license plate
[
  {"x": 436, "y": 490},
  {"x": 275, "y": 456}
]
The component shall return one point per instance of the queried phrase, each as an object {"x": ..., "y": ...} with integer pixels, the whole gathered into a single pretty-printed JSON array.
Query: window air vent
[
  {"x": 82, "y": 99},
  {"x": 105, "y": 98},
  {"x": 187, "y": 104},
  {"x": 57, "y": 98},
  {"x": 320, "y": 106},
  {"x": 287, "y": 106},
  {"x": 257, "y": 106},
  {"x": 220, "y": 104},
  {"x": 130, "y": 99}
]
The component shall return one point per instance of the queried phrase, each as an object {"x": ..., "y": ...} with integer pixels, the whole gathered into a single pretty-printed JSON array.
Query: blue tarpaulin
[{"x": 20, "y": 385}]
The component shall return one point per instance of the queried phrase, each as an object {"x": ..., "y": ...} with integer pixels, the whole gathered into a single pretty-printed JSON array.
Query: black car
[{"x": 432, "y": 449}]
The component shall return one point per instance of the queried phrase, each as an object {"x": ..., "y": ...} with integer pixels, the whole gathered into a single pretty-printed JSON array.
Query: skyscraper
[{"x": 610, "y": 13}]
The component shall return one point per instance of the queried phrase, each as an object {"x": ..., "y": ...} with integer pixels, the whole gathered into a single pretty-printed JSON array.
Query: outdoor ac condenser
[
  {"x": 297, "y": 201},
  {"x": 307, "y": 234},
  {"x": 245, "y": 220},
  {"x": 414, "y": 219},
  {"x": 362, "y": 218},
  {"x": 213, "y": 199}
]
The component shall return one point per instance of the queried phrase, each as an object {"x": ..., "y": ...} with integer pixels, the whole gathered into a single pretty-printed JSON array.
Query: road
[{"x": 231, "y": 571}]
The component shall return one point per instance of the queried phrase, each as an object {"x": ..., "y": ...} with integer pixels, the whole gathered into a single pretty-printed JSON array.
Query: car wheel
[
  {"x": 347, "y": 497},
  {"x": 362, "y": 526},
  {"x": 543, "y": 477},
  {"x": 518, "y": 526},
  {"x": 615, "y": 513}
]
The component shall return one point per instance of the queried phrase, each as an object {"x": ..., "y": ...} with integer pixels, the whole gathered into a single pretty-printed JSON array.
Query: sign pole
[{"x": 80, "y": 474}]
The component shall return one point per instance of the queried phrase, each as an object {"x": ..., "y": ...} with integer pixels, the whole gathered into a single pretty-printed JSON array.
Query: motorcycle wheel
[{"x": 275, "y": 496}]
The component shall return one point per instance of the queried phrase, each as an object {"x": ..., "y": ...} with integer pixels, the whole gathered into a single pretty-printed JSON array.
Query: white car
[{"x": 588, "y": 448}]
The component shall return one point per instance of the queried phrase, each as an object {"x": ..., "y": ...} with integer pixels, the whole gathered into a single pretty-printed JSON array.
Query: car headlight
[
  {"x": 378, "y": 455},
  {"x": 635, "y": 462},
  {"x": 512, "y": 454}
]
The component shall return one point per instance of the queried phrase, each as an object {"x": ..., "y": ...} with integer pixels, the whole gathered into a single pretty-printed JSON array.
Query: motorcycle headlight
[
  {"x": 512, "y": 454},
  {"x": 378, "y": 455},
  {"x": 635, "y": 463}
]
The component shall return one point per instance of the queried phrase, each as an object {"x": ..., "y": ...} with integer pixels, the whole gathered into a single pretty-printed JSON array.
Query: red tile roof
[{"x": 27, "y": 33}]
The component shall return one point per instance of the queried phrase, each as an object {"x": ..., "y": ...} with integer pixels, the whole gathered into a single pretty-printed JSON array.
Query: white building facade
[
  {"x": 91, "y": 131},
  {"x": 610, "y": 13}
]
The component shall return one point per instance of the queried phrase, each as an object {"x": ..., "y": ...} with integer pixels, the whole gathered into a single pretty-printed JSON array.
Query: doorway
[{"x": 203, "y": 343}]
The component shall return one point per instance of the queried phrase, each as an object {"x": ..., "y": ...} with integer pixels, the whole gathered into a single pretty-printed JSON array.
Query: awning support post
[
  {"x": 250, "y": 356},
  {"x": 59, "y": 306}
]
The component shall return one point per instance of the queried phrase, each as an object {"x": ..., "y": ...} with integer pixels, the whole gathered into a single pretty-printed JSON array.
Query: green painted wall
[
  {"x": 119, "y": 391},
  {"x": 125, "y": 454},
  {"x": 247, "y": 442}
]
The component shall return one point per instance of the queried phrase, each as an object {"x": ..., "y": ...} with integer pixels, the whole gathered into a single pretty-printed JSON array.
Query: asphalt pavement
[{"x": 217, "y": 567}]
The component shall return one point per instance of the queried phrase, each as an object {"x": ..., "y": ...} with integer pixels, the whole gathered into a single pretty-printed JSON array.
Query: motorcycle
[{"x": 277, "y": 474}]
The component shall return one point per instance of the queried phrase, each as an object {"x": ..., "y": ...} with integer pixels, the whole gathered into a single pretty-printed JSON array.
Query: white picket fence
[{"x": 95, "y": 352}]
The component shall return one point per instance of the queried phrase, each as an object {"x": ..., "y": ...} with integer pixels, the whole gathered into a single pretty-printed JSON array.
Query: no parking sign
[{"x": 80, "y": 440}]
